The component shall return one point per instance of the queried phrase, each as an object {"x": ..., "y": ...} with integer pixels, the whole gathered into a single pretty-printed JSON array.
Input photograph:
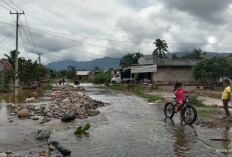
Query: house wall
[
  {"x": 173, "y": 74},
  {"x": 1, "y": 67}
]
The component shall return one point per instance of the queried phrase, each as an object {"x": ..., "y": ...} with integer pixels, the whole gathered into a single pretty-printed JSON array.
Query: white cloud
[{"x": 175, "y": 21}]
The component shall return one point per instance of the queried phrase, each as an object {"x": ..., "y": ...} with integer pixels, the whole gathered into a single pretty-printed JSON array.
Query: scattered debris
[{"x": 61, "y": 149}]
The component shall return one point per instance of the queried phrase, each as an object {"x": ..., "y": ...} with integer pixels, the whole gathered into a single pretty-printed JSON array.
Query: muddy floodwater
[{"x": 130, "y": 126}]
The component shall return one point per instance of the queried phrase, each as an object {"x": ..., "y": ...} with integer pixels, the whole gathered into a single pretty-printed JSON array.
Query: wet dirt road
[
  {"x": 128, "y": 127},
  {"x": 132, "y": 127}
]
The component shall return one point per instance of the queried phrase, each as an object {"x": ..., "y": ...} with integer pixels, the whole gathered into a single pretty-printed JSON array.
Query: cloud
[
  {"x": 76, "y": 29},
  {"x": 212, "y": 11}
]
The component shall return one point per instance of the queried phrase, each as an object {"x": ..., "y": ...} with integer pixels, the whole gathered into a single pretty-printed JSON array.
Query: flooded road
[
  {"x": 128, "y": 127},
  {"x": 132, "y": 127}
]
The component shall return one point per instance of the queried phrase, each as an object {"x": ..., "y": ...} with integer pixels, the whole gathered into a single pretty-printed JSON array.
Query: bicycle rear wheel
[
  {"x": 189, "y": 115},
  {"x": 169, "y": 110}
]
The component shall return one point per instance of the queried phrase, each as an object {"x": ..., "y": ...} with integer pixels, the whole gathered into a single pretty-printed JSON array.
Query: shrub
[
  {"x": 195, "y": 100},
  {"x": 102, "y": 78},
  {"x": 116, "y": 87},
  {"x": 47, "y": 86},
  {"x": 150, "y": 98}
]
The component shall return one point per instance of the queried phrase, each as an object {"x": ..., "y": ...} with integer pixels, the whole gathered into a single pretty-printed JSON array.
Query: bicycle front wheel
[
  {"x": 169, "y": 110},
  {"x": 189, "y": 115}
]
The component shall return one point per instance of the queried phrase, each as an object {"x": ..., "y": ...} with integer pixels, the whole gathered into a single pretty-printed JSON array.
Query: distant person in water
[
  {"x": 63, "y": 80},
  {"x": 226, "y": 97}
]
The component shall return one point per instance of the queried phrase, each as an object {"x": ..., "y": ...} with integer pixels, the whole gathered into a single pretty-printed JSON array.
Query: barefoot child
[
  {"x": 180, "y": 98},
  {"x": 226, "y": 97}
]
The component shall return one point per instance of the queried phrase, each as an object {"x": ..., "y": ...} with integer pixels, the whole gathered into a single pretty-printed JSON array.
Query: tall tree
[
  {"x": 196, "y": 54},
  {"x": 71, "y": 73},
  {"x": 130, "y": 58},
  {"x": 161, "y": 48},
  {"x": 212, "y": 69},
  {"x": 10, "y": 58}
]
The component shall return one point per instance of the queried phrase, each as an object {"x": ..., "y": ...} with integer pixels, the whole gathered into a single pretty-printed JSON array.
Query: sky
[{"x": 84, "y": 30}]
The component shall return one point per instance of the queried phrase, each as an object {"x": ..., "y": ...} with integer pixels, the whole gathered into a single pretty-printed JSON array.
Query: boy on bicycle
[{"x": 179, "y": 92}]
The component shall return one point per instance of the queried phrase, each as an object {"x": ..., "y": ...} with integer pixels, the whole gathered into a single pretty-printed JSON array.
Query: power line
[
  {"x": 87, "y": 43},
  {"x": 1, "y": 28},
  {"x": 9, "y": 5},
  {"x": 113, "y": 40},
  {"x": 26, "y": 37},
  {"x": 40, "y": 36},
  {"x": 6, "y": 23},
  {"x": 23, "y": 44},
  {"x": 5, "y": 39},
  {"x": 147, "y": 42},
  {"x": 30, "y": 34},
  {"x": 4, "y": 7},
  {"x": 16, "y": 5}
]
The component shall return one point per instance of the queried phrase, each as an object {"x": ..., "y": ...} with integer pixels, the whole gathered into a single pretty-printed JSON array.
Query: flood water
[
  {"x": 128, "y": 127},
  {"x": 132, "y": 127}
]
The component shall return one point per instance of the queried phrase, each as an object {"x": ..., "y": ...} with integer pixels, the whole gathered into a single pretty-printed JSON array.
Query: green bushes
[
  {"x": 195, "y": 100},
  {"x": 101, "y": 78},
  {"x": 116, "y": 87},
  {"x": 47, "y": 86},
  {"x": 151, "y": 98}
]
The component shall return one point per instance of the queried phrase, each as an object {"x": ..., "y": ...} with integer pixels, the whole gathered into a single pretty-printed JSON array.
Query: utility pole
[{"x": 16, "y": 51}]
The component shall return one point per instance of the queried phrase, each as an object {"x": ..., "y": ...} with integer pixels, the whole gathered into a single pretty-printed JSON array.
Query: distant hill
[
  {"x": 101, "y": 63},
  {"x": 108, "y": 62}
]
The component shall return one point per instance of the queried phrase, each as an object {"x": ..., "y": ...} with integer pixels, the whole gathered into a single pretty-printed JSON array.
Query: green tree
[
  {"x": 161, "y": 48},
  {"x": 212, "y": 69},
  {"x": 174, "y": 56},
  {"x": 10, "y": 58},
  {"x": 71, "y": 73},
  {"x": 130, "y": 58},
  {"x": 196, "y": 54}
]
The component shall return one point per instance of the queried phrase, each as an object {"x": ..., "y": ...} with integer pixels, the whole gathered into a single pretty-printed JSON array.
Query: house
[
  {"x": 171, "y": 70},
  {"x": 230, "y": 56},
  {"x": 93, "y": 73},
  {"x": 83, "y": 75},
  {"x": 4, "y": 65}
]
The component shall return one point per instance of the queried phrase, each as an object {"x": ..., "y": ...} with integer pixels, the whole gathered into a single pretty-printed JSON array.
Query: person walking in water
[
  {"x": 63, "y": 80},
  {"x": 226, "y": 97}
]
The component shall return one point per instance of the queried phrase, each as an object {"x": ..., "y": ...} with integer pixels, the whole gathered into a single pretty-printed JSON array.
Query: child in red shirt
[{"x": 180, "y": 98}]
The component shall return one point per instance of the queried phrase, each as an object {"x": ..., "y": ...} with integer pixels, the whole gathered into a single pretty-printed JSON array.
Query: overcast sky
[{"x": 77, "y": 29}]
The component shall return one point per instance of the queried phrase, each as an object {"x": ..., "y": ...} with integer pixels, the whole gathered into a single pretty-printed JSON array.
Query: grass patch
[
  {"x": 47, "y": 86},
  {"x": 116, "y": 87},
  {"x": 149, "y": 97},
  {"x": 207, "y": 112},
  {"x": 195, "y": 100}
]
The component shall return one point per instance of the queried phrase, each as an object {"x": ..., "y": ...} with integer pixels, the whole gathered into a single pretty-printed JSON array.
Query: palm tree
[
  {"x": 161, "y": 48},
  {"x": 10, "y": 58}
]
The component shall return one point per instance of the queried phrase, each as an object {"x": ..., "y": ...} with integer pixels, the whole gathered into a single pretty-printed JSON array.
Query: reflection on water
[
  {"x": 226, "y": 136},
  {"x": 183, "y": 139}
]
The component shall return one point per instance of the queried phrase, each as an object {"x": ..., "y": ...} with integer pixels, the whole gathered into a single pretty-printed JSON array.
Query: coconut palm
[
  {"x": 10, "y": 58},
  {"x": 161, "y": 48}
]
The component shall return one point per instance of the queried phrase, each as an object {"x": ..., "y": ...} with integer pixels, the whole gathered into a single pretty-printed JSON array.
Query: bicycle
[{"x": 189, "y": 114}]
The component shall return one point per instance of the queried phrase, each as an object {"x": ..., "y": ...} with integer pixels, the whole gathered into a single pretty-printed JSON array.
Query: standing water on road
[{"x": 132, "y": 127}]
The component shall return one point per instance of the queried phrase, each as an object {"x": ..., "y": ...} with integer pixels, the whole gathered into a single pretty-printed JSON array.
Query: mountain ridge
[{"x": 108, "y": 62}]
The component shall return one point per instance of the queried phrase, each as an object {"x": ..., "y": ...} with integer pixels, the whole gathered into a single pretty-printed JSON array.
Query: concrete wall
[
  {"x": 173, "y": 74},
  {"x": 168, "y": 61},
  {"x": 1, "y": 67}
]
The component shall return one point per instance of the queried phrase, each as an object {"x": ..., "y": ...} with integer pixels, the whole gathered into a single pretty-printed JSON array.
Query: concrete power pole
[{"x": 16, "y": 51}]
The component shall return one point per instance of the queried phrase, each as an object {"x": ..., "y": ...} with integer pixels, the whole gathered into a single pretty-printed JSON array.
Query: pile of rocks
[{"x": 68, "y": 102}]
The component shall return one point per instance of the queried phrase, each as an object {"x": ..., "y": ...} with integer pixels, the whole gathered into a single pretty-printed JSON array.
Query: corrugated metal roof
[
  {"x": 144, "y": 69},
  {"x": 82, "y": 73}
]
